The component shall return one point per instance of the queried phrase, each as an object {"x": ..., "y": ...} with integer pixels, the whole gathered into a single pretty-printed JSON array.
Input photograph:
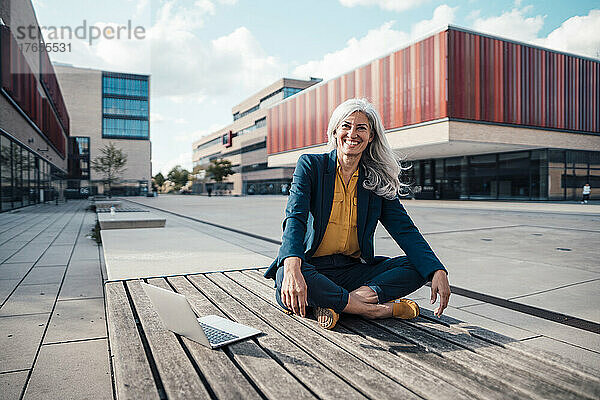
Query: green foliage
[
  {"x": 179, "y": 176},
  {"x": 159, "y": 179},
  {"x": 197, "y": 169},
  {"x": 219, "y": 170},
  {"x": 110, "y": 164}
]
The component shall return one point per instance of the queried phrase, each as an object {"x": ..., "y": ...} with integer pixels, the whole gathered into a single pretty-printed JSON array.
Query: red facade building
[{"x": 458, "y": 93}]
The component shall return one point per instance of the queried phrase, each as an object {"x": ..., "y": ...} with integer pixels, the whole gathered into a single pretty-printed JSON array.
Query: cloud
[
  {"x": 390, "y": 5},
  {"x": 442, "y": 15},
  {"x": 513, "y": 24},
  {"x": 157, "y": 118},
  {"x": 165, "y": 165},
  {"x": 578, "y": 34},
  {"x": 375, "y": 43},
  {"x": 184, "y": 67}
]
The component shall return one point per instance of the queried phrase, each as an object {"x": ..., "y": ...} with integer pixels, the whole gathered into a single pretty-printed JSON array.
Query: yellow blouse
[{"x": 341, "y": 236}]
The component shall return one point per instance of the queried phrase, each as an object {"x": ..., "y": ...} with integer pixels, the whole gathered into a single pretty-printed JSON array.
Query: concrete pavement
[{"x": 54, "y": 342}]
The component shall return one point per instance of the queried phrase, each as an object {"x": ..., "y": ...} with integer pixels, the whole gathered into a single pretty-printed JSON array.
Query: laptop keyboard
[{"x": 216, "y": 336}]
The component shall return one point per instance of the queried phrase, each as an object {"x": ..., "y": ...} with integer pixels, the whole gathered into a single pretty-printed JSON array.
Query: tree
[
  {"x": 219, "y": 170},
  {"x": 179, "y": 176},
  {"x": 110, "y": 164},
  {"x": 159, "y": 179}
]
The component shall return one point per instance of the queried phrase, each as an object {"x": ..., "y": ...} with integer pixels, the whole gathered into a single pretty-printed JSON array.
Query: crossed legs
[
  {"x": 344, "y": 285},
  {"x": 365, "y": 302}
]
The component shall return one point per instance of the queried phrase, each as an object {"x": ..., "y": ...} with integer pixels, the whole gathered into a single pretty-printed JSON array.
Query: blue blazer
[{"x": 309, "y": 206}]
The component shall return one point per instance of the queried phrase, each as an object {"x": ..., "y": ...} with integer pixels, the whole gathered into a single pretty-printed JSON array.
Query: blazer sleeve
[
  {"x": 296, "y": 211},
  {"x": 402, "y": 229}
]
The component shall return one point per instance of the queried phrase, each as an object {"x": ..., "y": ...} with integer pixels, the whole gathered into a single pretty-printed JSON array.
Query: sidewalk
[{"x": 54, "y": 341}]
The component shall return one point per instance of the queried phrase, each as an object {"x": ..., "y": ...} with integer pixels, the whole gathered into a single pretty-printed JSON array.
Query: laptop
[{"x": 176, "y": 313}]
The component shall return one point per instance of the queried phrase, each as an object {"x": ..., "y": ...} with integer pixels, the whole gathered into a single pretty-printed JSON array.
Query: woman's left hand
[{"x": 439, "y": 284}]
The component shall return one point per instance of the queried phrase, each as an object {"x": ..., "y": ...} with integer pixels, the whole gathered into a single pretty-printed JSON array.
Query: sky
[{"x": 205, "y": 56}]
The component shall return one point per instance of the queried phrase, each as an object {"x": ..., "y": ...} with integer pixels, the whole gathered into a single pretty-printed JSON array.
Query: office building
[
  {"x": 107, "y": 107},
  {"x": 478, "y": 117},
  {"x": 243, "y": 143},
  {"x": 34, "y": 122}
]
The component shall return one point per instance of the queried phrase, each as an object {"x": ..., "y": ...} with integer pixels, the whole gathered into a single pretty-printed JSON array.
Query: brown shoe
[
  {"x": 404, "y": 309},
  {"x": 326, "y": 317}
]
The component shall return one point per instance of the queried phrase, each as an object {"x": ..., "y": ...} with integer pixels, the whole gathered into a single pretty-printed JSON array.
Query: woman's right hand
[{"x": 293, "y": 288}]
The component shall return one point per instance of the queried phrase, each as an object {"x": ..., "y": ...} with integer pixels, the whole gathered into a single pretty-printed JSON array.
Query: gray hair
[{"x": 382, "y": 166}]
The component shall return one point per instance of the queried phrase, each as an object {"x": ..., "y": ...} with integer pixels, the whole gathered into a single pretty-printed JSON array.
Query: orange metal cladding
[
  {"x": 393, "y": 83},
  {"x": 457, "y": 74},
  {"x": 520, "y": 84}
]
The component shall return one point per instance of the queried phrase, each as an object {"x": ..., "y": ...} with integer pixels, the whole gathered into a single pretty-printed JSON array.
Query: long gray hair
[{"x": 382, "y": 166}]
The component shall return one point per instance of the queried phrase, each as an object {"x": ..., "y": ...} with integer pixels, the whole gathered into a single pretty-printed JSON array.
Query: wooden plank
[
  {"x": 315, "y": 376},
  {"x": 273, "y": 379},
  {"x": 133, "y": 376},
  {"x": 521, "y": 348},
  {"x": 177, "y": 373},
  {"x": 222, "y": 375},
  {"x": 361, "y": 375},
  {"x": 432, "y": 369},
  {"x": 544, "y": 371},
  {"x": 520, "y": 379}
]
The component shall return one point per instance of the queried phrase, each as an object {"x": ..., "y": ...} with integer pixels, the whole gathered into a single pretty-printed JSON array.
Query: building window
[
  {"x": 124, "y": 128},
  {"x": 125, "y": 106},
  {"x": 210, "y": 143},
  {"x": 124, "y": 85},
  {"x": 239, "y": 115}
]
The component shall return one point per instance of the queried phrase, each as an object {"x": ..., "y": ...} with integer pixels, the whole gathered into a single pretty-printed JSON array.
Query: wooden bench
[{"x": 294, "y": 358}]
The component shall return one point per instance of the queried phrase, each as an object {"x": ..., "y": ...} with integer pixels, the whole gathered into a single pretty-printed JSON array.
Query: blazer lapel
[
  {"x": 327, "y": 195},
  {"x": 362, "y": 205}
]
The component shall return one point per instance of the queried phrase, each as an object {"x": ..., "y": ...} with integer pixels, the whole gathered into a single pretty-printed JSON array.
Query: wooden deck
[{"x": 294, "y": 358}]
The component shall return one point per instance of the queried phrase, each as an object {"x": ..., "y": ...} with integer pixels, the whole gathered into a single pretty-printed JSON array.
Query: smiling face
[{"x": 353, "y": 135}]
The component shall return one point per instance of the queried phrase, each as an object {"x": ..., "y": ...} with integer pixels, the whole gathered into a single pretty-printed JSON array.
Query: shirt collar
[{"x": 339, "y": 169}]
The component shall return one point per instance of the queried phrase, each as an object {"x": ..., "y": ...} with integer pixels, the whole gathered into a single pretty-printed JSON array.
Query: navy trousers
[{"x": 330, "y": 279}]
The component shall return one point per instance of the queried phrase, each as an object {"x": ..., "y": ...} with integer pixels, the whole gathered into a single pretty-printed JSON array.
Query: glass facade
[
  {"x": 125, "y": 106},
  {"x": 132, "y": 107},
  {"x": 78, "y": 184},
  {"x": 544, "y": 174},
  {"x": 25, "y": 178},
  {"x": 124, "y": 128}
]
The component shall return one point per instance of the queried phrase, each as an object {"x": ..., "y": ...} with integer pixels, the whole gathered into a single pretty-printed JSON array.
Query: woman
[{"x": 326, "y": 257}]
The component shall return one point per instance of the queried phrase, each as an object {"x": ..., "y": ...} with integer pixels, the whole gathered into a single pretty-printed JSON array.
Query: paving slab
[
  {"x": 85, "y": 250},
  {"x": 30, "y": 253},
  {"x": 6, "y": 288},
  {"x": 84, "y": 267},
  {"x": 575, "y": 300},
  {"x": 505, "y": 277},
  {"x": 81, "y": 286},
  {"x": 560, "y": 247},
  {"x": 76, "y": 320},
  {"x": 12, "y": 384},
  {"x": 130, "y": 220},
  {"x": 20, "y": 337},
  {"x": 56, "y": 255},
  {"x": 29, "y": 299},
  {"x": 14, "y": 271},
  {"x": 149, "y": 252},
  {"x": 41, "y": 275},
  {"x": 78, "y": 370}
]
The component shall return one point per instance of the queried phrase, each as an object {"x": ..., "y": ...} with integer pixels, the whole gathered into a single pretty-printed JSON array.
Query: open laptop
[{"x": 177, "y": 315}]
